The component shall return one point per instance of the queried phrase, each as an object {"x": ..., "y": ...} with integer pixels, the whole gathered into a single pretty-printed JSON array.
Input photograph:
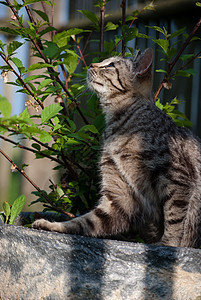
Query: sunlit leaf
[
  {"x": 13, "y": 46},
  {"x": 164, "y": 44},
  {"x": 70, "y": 61},
  {"x": 16, "y": 208},
  {"x": 43, "y": 15},
  {"x": 50, "y": 111},
  {"x": 90, "y": 15},
  {"x": 38, "y": 66},
  {"x": 5, "y": 107},
  {"x": 6, "y": 210}
]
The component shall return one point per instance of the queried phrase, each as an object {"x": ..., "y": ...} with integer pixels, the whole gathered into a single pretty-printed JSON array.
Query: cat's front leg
[
  {"x": 49, "y": 226},
  {"x": 78, "y": 225},
  {"x": 112, "y": 215}
]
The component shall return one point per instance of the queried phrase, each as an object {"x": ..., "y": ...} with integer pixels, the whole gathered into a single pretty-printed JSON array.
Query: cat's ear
[{"x": 145, "y": 61}]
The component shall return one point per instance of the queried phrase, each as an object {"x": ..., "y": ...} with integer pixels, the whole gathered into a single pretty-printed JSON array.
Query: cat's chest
[{"x": 123, "y": 145}]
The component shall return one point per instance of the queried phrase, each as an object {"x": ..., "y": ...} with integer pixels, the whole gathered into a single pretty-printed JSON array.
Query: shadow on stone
[{"x": 44, "y": 265}]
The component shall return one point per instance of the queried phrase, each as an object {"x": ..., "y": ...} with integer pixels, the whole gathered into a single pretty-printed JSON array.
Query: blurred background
[{"x": 172, "y": 14}]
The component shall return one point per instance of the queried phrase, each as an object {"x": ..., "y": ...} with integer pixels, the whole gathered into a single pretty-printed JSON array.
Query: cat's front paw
[{"x": 42, "y": 224}]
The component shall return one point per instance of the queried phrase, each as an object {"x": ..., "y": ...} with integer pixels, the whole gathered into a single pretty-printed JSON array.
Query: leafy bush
[
  {"x": 10, "y": 212},
  {"x": 56, "y": 135}
]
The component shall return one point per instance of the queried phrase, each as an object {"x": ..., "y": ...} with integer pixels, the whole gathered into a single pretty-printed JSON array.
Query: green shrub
[{"x": 75, "y": 146}]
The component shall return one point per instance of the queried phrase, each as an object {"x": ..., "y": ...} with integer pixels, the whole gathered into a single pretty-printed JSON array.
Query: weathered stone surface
[{"x": 44, "y": 265}]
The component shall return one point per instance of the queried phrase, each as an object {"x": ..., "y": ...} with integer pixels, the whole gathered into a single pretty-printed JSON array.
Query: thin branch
[
  {"x": 50, "y": 69},
  {"x": 29, "y": 14},
  {"x": 68, "y": 166},
  {"x": 86, "y": 44},
  {"x": 81, "y": 54},
  {"x": 35, "y": 186},
  {"x": 22, "y": 81},
  {"x": 47, "y": 147},
  {"x": 131, "y": 23},
  {"x": 30, "y": 149},
  {"x": 102, "y": 19},
  {"x": 171, "y": 66},
  {"x": 123, "y": 6}
]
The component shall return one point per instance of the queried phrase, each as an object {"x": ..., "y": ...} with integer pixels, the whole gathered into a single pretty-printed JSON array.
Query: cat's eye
[{"x": 110, "y": 65}]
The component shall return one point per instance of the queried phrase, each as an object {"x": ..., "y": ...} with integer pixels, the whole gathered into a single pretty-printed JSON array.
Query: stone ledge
[{"x": 43, "y": 265}]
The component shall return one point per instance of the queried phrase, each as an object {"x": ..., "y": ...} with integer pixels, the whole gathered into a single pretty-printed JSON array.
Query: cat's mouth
[{"x": 93, "y": 81}]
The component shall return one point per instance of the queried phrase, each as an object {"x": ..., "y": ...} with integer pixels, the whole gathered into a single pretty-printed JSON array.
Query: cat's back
[{"x": 143, "y": 131}]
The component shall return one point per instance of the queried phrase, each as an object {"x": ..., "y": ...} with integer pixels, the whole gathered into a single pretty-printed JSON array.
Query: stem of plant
[
  {"x": 31, "y": 150},
  {"x": 35, "y": 186},
  {"x": 22, "y": 81},
  {"x": 50, "y": 69},
  {"x": 123, "y": 6},
  {"x": 186, "y": 43},
  {"x": 86, "y": 44},
  {"x": 102, "y": 18}
]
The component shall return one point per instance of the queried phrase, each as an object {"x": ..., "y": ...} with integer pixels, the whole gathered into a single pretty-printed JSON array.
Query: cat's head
[{"x": 118, "y": 78}]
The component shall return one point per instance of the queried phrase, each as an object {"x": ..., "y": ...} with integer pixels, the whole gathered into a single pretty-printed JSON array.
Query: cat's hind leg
[{"x": 182, "y": 218}]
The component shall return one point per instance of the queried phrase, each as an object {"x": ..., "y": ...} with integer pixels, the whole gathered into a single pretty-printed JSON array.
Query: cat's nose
[{"x": 94, "y": 65}]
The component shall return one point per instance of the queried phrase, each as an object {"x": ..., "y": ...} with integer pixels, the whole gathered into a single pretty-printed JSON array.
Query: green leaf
[
  {"x": 13, "y": 46},
  {"x": 43, "y": 15},
  {"x": 50, "y": 111},
  {"x": 4, "y": 3},
  {"x": 159, "y": 104},
  {"x": 45, "y": 137},
  {"x": 46, "y": 30},
  {"x": 109, "y": 46},
  {"x": 72, "y": 125},
  {"x": 159, "y": 29},
  {"x": 171, "y": 52},
  {"x": 164, "y": 44},
  {"x": 70, "y": 61},
  {"x": 89, "y": 15},
  {"x": 75, "y": 31},
  {"x": 25, "y": 116},
  {"x": 32, "y": 77},
  {"x": 131, "y": 50},
  {"x": 51, "y": 50},
  {"x": 129, "y": 33},
  {"x": 9, "y": 30},
  {"x": 38, "y": 66},
  {"x": 198, "y": 4},
  {"x": 31, "y": 1},
  {"x": 5, "y": 107},
  {"x": 90, "y": 128},
  {"x": 111, "y": 26},
  {"x": 61, "y": 39},
  {"x": 161, "y": 71},
  {"x": 183, "y": 73},
  {"x": 36, "y": 146},
  {"x": 177, "y": 33},
  {"x": 191, "y": 71},
  {"x": 34, "y": 1},
  {"x": 44, "y": 83},
  {"x": 16, "y": 208},
  {"x": 18, "y": 64},
  {"x": 6, "y": 210},
  {"x": 56, "y": 123},
  {"x": 185, "y": 57}
]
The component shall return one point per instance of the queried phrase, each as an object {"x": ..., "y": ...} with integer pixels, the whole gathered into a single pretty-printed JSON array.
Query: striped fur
[{"x": 150, "y": 168}]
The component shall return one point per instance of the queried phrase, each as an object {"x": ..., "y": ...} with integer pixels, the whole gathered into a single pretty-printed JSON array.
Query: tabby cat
[{"x": 150, "y": 168}]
